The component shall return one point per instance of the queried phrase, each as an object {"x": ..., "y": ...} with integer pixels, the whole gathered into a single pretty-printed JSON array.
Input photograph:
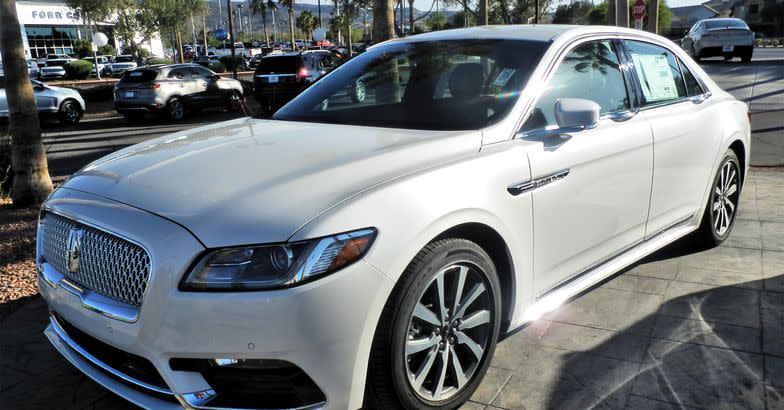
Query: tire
[
  {"x": 396, "y": 361},
  {"x": 175, "y": 109},
  {"x": 694, "y": 54},
  {"x": 359, "y": 92},
  {"x": 234, "y": 102},
  {"x": 746, "y": 58},
  {"x": 719, "y": 215},
  {"x": 266, "y": 105},
  {"x": 728, "y": 57},
  {"x": 69, "y": 113}
]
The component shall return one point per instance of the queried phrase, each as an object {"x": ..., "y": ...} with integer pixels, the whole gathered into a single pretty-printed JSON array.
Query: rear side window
[
  {"x": 693, "y": 86},
  {"x": 590, "y": 71},
  {"x": 284, "y": 64},
  {"x": 124, "y": 59},
  {"x": 658, "y": 72},
  {"x": 139, "y": 76}
]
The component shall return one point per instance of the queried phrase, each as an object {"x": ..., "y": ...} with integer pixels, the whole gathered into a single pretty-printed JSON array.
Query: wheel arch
[
  {"x": 494, "y": 244},
  {"x": 740, "y": 150},
  {"x": 71, "y": 99}
]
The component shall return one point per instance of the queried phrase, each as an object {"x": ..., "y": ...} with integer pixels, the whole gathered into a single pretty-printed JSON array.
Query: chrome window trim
[
  {"x": 97, "y": 362},
  {"x": 70, "y": 216}
]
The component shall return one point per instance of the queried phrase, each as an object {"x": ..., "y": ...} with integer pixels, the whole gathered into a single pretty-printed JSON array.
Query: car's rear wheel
[
  {"x": 234, "y": 101},
  {"x": 70, "y": 113},
  {"x": 746, "y": 57},
  {"x": 719, "y": 215},
  {"x": 175, "y": 109},
  {"x": 438, "y": 331},
  {"x": 695, "y": 54},
  {"x": 728, "y": 57}
]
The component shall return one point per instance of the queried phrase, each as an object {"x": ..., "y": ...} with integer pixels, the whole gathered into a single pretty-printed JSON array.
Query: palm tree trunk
[
  {"x": 411, "y": 16},
  {"x": 264, "y": 25},
  {"x": 204, "y": 30},
  {"x": 383, "y": 20},
  {"x": 28, "y": 160},
  {"x": 291, "y": 25}
]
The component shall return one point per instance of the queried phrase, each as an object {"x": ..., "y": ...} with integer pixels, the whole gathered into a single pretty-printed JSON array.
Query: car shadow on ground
[{"x": 720, "y": 347}]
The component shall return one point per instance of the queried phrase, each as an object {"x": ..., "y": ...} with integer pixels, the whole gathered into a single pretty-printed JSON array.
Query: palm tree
[
  {"x": 261, "y": 7},
  {"x": 383, "y": 20},
  {"x": 307, "y": 22},
  {"x": 289, "y": 4},
  {"x": 28, "y": 160}
]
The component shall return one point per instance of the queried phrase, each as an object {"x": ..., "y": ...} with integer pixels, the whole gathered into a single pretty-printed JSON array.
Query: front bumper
[{"x": 324, "y": 327}]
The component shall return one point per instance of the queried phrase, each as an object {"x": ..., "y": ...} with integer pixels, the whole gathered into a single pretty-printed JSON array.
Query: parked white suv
[
  {"x": 349, "y": 254},
  {"x": 720, "y": 37}
]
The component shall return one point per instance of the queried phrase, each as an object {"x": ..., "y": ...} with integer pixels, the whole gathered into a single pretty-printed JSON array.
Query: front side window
[
  {"x": 590, "y": 71},
  {"x": 433, "y": 85},
  {"x": 658, "y": 73}
]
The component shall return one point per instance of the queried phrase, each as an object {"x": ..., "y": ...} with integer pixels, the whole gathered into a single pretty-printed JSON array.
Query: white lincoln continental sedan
[{"x": 347, "y": 254}]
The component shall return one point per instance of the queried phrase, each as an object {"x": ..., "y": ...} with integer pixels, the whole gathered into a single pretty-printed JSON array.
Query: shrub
[
  {"x": 217, "y": 67},
  {"x": 231, "y": 64},
  {"x": 106, "y": 50},
  {"x": 143, "y": 53},
  {"x": 78, "y": 70},
  {"x": 159, "y": 61},
  {"x": 6, "y": 174},
  {"x": 83, "y": 48},
  {"x": 757, "y": 42},
  {"x": 98, "y": 93},
  {"x": 774, "y": 42}
]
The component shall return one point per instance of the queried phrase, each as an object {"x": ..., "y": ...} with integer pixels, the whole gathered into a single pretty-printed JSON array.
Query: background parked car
[
  {"x": 64, "y": 104},
  {"x": 103, "y": 62},
  {"x": 123, "y": 63},
  {"x": 54, "y": 66},
  {"x": 720, "y": 37},
  {"x": 280, "y": 77},
  {"x": 33, "y": 68},
  {"x": 172, "y": 90}
]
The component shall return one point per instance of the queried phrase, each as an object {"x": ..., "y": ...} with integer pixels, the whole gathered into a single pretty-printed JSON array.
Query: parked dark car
[
  {"x": 172, "y": 90},
  {"x": 281, "y": 77}
]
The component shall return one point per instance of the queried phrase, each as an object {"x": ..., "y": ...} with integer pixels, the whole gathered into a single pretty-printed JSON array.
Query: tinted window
[
  {"x": 435, "y": 85},
  {"x": 590, "y": 71},
  {"x": 282, "y": 64},
  {"x": 200, "y": 72},
  {"x": 658, "y": 72},
  {"x": 724, "y": 23},
  {"x": 693, "y": 86},
  {"x": 124, "y": 59},
  {"x": 180, "y": 74},
  {"x": 2, "y": 82},
  {"x": 139, "y": 76}
]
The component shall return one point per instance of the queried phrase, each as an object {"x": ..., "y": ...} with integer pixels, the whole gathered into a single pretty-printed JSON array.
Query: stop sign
[{"x": 638, "y": 10}]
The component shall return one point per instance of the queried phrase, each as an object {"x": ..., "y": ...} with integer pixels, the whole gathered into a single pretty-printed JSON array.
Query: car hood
[{"x": 251, "y": 181}]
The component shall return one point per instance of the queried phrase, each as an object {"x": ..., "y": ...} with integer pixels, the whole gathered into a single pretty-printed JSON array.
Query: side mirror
[{"x": 576, "y": 114}]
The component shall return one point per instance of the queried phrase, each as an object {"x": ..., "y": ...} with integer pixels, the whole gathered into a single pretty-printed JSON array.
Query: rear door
[{"x": 686, "y": 133}]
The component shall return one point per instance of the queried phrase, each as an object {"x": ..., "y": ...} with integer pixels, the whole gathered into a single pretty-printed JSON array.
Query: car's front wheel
[
  {"x": 438, "y": 331},
  {"x": 719, "y": 215},
  {"x": 70, "y": 113}
]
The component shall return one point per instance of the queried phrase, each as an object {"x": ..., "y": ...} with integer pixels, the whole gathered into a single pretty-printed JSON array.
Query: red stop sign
[{"x": 638, "y": 10}]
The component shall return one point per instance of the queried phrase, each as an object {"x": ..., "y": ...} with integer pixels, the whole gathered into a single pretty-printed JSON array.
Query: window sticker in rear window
[
  {"x": 658, "y": 82},
  {"x": 504, "y": 76}
]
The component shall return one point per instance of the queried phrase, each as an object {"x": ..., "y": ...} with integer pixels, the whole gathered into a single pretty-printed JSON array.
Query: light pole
[
  {"x": 239, "y": 17},
  {"x": 250, "y": 23}
]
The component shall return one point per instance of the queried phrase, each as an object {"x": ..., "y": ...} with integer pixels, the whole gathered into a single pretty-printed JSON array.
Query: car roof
[{"x": 531, "y": 32}]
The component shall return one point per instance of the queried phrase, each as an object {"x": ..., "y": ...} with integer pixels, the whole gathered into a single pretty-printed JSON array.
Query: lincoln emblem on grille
[{"x": 74, "y": 248}]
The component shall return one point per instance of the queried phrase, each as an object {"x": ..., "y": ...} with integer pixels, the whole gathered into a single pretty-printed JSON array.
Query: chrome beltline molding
[{"x": 527, "y": 186}]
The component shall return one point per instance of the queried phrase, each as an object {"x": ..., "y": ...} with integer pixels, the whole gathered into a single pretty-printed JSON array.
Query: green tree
[
  {"x": 573, "y": 13},
  {"x": 598, "y": 15},
  {"x": 107, "y": 50},
  {"x": 435, "y": 21},
  {"x": 261, "y": 7},
  {"x": 307, "y": 22},
  {"x": 28, "y": 160},
  {"x": 83, "y": 48},
  {"x": 665, "y": 16}
]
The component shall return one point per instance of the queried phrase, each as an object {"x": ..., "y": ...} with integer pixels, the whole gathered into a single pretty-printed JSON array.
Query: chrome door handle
[{"x": 622, "y": 116}]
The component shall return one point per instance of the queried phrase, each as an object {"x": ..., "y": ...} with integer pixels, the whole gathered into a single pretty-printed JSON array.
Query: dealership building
[{"x": 51, "y": 27}]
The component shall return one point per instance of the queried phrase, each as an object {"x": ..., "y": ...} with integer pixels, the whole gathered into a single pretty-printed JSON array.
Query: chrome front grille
[{"x": 108, "y": 265}]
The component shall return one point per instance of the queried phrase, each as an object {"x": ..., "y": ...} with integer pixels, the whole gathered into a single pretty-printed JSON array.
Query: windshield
[
  {"x": 433, "y": 85},
  {"x": 725, "y": 23}
]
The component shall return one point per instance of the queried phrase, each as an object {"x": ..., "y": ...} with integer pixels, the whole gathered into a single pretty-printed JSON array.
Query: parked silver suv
[{"x": 172, "y": 90}]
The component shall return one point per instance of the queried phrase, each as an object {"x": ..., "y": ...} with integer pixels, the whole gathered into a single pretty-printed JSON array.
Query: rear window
[
  {"x": 139, "y": 76},
  {"x": 56, "y": 63},
  {"x": 725, "y": 23},
  {"x": 283, "y": 64},
  {"x": 123, "y": 59}
]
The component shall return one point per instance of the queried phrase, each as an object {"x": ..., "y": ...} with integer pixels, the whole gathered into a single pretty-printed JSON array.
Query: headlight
[{"x": 277, "y": 266}]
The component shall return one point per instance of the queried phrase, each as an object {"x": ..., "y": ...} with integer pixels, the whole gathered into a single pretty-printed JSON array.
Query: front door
[{"x": 591, "y": 200}]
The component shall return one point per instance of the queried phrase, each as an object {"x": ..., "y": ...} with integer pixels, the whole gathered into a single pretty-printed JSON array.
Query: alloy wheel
[
  {"x": 234, "y": 102},
  {"x": 71, "y": 113},
  {"x": 176, "y": 109},
  {"x": 725, "y": 198},
  {"x": 449, "y": 332},
  {"x": 360, "y": 91}
]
